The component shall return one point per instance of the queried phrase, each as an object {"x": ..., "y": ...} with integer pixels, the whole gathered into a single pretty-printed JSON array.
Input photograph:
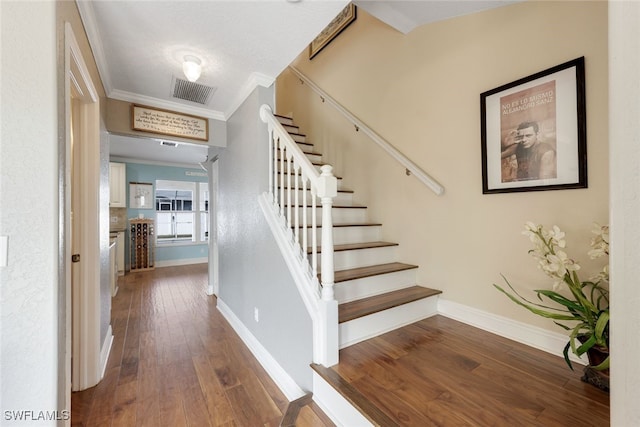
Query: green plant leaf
[
  {"x": 565, "y": 352},
  {"x": 556, "y": 297},
  {"x": 534, "y": 310}
]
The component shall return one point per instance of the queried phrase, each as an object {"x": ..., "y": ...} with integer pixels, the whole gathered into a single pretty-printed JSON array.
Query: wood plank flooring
[
  {"x": 175, "y": 361},
  {"x": 439, "y": 372}
]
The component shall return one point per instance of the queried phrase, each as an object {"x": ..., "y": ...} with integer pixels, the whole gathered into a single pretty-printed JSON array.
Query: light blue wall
[{"x": 138, "y": 172}]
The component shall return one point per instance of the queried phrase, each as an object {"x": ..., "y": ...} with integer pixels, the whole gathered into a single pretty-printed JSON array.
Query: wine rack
[{"x": 142, "y": 245}]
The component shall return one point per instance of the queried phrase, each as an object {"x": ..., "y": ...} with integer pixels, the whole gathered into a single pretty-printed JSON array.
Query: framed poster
[
  {"x": 331, "y": 31},
  {"x": 140, "y": 195},
  {"x": 156, "y": 120},
  {"x": 534, "y": 132}
]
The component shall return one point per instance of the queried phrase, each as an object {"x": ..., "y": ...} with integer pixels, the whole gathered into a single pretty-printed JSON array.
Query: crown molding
[
  {"x": 88, "y": 18},
  {"x": 254, "y": 80}
]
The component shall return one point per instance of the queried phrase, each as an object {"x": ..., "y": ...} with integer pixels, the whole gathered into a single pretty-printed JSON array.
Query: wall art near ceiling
[
  {"x": 534, "y": 132},
  {"x": 331, "y": 31},
  {"x": 140, "y": 195},
  {"x": 155, "y": 120}
]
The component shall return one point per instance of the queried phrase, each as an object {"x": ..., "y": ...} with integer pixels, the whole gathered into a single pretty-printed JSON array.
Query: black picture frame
[{"x": 534, "y": 132}]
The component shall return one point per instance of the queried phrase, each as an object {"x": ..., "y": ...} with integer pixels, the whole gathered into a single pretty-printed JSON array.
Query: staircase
[{"x": 376, "y": 292}]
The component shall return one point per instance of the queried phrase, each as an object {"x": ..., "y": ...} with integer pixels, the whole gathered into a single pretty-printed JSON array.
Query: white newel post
[{"x": 327, "y": 190}]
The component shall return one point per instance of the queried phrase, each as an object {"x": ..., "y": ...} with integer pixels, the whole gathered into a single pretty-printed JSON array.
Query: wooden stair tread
[
  {"x": 372, "y": 270},
  {"x": 354, "y": 397},
  {"x": 280, "y": 173},
  {"x": 364, "y": 307},
  {"x": 356, "y": 246},
  {"x": 336, "y": 206},
  {"x": 300, "y": 189}
]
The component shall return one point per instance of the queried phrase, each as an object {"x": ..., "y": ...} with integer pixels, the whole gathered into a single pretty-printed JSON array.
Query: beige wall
[{"x": 420, "y": 91}]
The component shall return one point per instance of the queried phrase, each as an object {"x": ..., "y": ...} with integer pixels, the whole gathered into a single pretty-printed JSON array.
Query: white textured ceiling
[{"x": 139, "y": 45}]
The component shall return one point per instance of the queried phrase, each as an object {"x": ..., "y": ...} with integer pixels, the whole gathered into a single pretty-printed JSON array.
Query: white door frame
[
  {"x": 83, "y": 360},
  {"x": 214, "y": 277}
]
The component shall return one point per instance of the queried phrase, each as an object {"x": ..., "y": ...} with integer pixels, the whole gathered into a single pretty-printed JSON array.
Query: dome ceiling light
[{"x": 192, "y": 67}]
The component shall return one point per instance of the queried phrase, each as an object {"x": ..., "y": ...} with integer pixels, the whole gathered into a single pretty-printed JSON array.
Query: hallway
[{"x": 176, "y": 361}]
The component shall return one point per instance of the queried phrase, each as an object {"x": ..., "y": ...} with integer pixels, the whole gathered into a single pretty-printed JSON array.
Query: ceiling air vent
[{"x": 189, "y": 91}]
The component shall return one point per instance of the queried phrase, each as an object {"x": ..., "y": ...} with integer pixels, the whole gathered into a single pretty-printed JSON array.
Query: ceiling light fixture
[{"x": 192, "y": 68}]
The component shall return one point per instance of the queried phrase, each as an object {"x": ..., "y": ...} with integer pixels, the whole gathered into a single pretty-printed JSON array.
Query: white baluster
[
  {"x": 271, "y": 162},
  {"x": 289, "y": 163},
  {"x": 274, "y": 162},
  {"x": 296, "y": 208},
  {"x": 327, "y": 190},
  {"x": 282, "y": 171},
  {"x": 314, "y": 236},
  {"x": 304, "y": 217}
]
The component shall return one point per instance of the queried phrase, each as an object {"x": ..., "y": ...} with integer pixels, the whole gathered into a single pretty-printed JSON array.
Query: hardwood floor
[
  {"x": 439, "y": 372},
  {"x": 175, "y": 361}
]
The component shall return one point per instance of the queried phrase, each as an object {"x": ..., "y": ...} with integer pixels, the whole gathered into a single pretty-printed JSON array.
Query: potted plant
[{"x": 571, "y": 299}]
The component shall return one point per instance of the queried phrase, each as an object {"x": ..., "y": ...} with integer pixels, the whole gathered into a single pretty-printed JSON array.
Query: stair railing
[
  {"x": 410, "y": 167},
  {"x": 294, "y": 187}
]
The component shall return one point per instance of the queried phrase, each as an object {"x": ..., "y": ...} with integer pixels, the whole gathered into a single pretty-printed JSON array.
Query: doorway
[{"x": 85, "y": 355}]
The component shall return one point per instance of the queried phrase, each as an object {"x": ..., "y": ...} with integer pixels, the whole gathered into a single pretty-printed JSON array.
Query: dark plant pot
[{"x": 599, "y": 378}]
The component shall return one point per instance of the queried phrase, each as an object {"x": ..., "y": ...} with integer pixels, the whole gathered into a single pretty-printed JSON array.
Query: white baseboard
[
  {"x": 104, "y": 352},
  {"x": 186, "y": 261},
  {"x": 286, "y": 384},
  {"x": 533, "y": 336}
]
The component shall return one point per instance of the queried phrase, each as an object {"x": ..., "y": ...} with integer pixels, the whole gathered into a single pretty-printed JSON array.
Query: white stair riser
[
  {"x": 285, "y": 120},
  {"x": 312, "y": 157},
  {"x": 290, "y": 127},
  {"x": 343, "y": 260},
  {"x": 298, "y": 138},
  {"x": 342, "y": 235},
  {"x": 293, "y": 181},
  {"x": 352, "y": 290},
  {"x": 342, "y": 199},
  {"x": 375, "y": 324},
  {"x": 338, "y": 215}
]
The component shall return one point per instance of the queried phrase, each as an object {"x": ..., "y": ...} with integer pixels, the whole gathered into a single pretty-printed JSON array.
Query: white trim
[
  {"x": 533, "y": 336},
  {"x": 254, "y": 80},
  {"x": 153, "y": 162},
  {"x": 95, "y": 40},
  {"x": 106, "y": 350},
  {"x": 286, "y": 384},
  {"x": 337, "y": 408},
  {"x": 86, "y": 288},
  {"x": 185, "y": 261}
]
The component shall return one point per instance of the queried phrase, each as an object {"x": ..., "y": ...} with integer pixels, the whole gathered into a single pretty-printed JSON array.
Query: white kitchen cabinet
[{"x": 117, "y": 185}]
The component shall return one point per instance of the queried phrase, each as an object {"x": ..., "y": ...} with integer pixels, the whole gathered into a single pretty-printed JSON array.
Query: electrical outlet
[
  {"x": 114, "y": 219},
  {"x": 256, "y": 314}
]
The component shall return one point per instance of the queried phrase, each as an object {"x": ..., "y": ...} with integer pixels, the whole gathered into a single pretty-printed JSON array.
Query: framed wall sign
[
  {"x": 331, "y": 31},
  {"x": 140, "y": 195},
  {"x": 155, "y": 120},
  {"x": 534, "y": 132}
]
